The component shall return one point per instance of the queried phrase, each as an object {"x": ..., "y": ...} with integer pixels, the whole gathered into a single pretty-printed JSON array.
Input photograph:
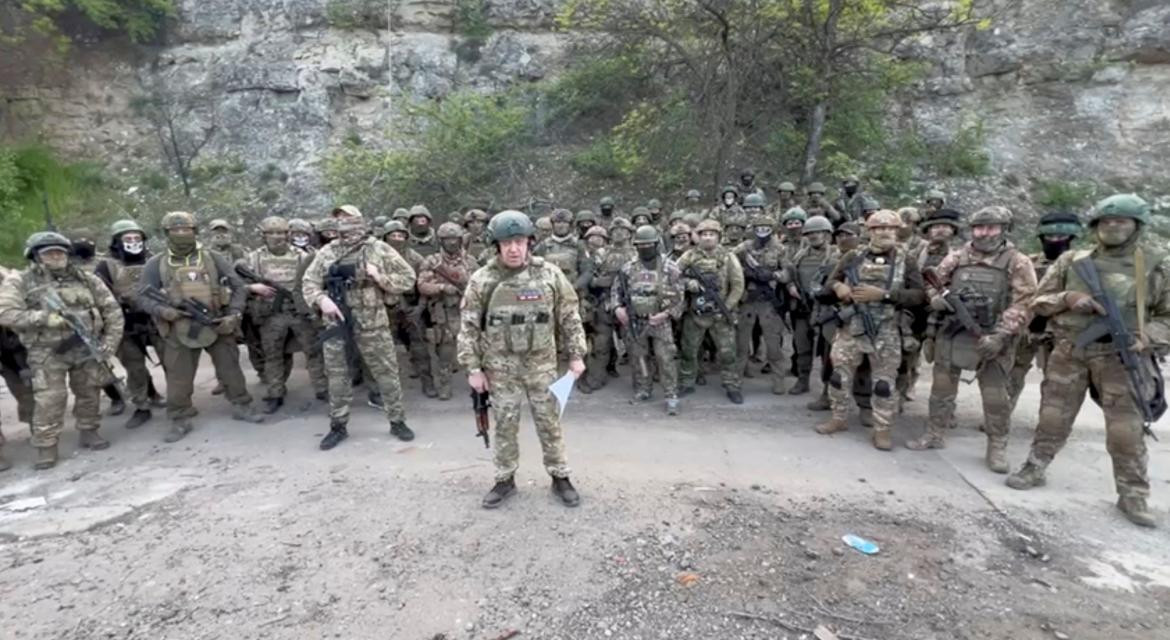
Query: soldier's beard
[
  {"x": 882, "y": 244},
  {"x": 707, "y": 244},
  {"x": 682, "y": 243}
]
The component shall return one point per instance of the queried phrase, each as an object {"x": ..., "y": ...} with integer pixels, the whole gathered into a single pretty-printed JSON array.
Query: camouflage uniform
[
  {"x": 15, "y": 371},
  {"x": 928, "y": 257},
  {"x": 122, "y": 273},
  {"x": 601, "y": 357},
  {"x": 898, "y": 278},
  {"x": 406, "y": 314},
  {"x": 427, "y": 243},
  {"x": 194, "y": 273},
  {"x": 283, "y": 266},
  {"x": 761, "y": 260},
  {"x": 813, "y": 323},
  {"x": 442, "y": 277},
  {"x": 995, "y": 284},
  {"x": 817, "y": 205},
  {"x": 349, "y": 259},
  {"x": 222, "y": 242},
  {"x": 1139, "y": 283},
  {"x": 23, "y": 310},
  {"x": 703, "y": 317},
  {"x": 475, "y": 242},
  {"x": 512, "y": 321},
  {"x": 654, "y": 287}
]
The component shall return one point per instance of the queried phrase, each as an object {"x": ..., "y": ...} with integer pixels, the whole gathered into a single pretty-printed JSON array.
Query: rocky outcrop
[{"x": 1068, "y": 90}]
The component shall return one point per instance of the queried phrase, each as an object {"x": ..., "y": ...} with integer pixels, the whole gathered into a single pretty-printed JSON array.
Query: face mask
[
  {"x": 817, "y": 239},
  {"x": 851, "y": 190},
  {"x": 848, "y": 242},
  {"x": 747, "y": 181},
  {"x": 763, "y": 233},
  {"x": 83, "y": 250},
  {"x": 181, "y": 245},
  {"x": 451, "y": 245},
  {"x": 882, "y": 240},
  {"x": 607, "y": 211},
  {"x": 987, "y": 245},
  {"x": 276, "y": 244},
  {"x": 1053, "y": 249},
  {"x": 597, "y": 242},
  {"x": 561, "y": 229},
  {"x": 729, "y": 199},
  {"x": 420, "y": 227},
  {"x": 133, "y": 248},
  {"x": 397, "y": 241},
  {"x": 708, "y": 241},
  {"x": 647, "y": 253},
  {"x": 221, "y": 239},
  {"x": 300, "y": 241},
  {"x": 619, "y": 236}
]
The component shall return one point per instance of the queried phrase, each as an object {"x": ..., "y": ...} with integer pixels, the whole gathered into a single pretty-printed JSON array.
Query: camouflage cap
[
  {"x": 274, "y": 224},
  {"x": 450, "y": 230},
  {"x": 562, "y": 215},
  {"x": 177, "y": 219},
  {"x": 326, "y": 224},
  {"x": 909, "y": 215},
  {"x": 597, "y": 230},
  {"x": 991, "y": 215},
  {"x": 709, "y": 225},
  {"x": 475, "y": 214},
  {"x": 43, "y": 240},
  {"x": 346, "y": 211},
  {"x": 763, "y": 220},
  {"x": 219, "y": 224}
]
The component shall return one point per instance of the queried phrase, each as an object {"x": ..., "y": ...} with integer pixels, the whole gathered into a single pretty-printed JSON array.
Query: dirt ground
[{"x": 725, "y": 522}]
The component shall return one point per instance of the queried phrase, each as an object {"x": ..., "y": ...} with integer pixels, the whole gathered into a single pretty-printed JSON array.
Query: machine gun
[
  {"x": 636, "y": 324},
  {"x": 480, "y": 403},
  {"x": 83, "y": 337},
  {"x": 1145, "y": 384}
]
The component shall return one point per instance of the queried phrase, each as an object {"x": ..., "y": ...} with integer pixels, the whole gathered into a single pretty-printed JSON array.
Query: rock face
[{"x": 1069, "y": 90}]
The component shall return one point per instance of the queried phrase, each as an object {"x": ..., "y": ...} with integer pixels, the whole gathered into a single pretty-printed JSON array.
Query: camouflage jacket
[
  {"x": 1021, "y": 278},
  {"x": 762, "y": 268},
  {"x": 442, "y": 278},
  {"x": 725, "y": 267},
  {"x": 367, "y": 297},
  {"x": 528, "y": 313},
  {"x": 652, "y": 290},
  {"x": 83, "y": 293}
]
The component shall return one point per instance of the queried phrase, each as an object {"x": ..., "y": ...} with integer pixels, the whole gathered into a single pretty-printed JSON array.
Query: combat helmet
[
  {"x": 219, "y": 224},
  {"x": 645, "y": 234},
  {"x": 883, "y": 218},
  {"x": 815, "y": 224},
  {"x": 44, "y": 239},
  {"x": 274, "y": 224},
  {"x": 709, "y": 225},
  {"x": 1059, "y": 224},
  {"x": 992, "y": 215},
  {"x": 597, "y": 230},
  {"x": 178, "y": 219},
  {"x": 948, "y": 217},
  {"x": 1122, "y": 205},
  {"x": 420, "y": 210},
  {"x": 125, "y": 226},
  {"x": 816, "y": 187},
  {"x": 301, "y": 225},
  {"x": 754, "y": 200},
  {"x": 510, "y": 224},
  {"x": 795, "y": 213},
  {"x": 450, "y": 230}
]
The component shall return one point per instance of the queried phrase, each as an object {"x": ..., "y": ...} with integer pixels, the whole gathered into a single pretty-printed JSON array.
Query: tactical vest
[
  {"x": 77, "y": 294},
  {"x": 563, "y": 253},
  {"x": 519, "y": 318},
  {"x": 193, "y": 277},
  {"x": 810, "y": 268},
  {"x": 125, "y": 279},
  {"x": 281, "y": 270},
  {"x": 645, "y": 286},
  {"x": 444, "y": 308},
  {"x": 929, "y": 259},
  {"x": 885, "y": 272},
  {"x": 711, "y": 264},
  {"x": 985, "y": 289},
  {"x": 425, "y": 246},
  {"x": 1118, "y": 276},
  {"x": 761, "y": 291}
]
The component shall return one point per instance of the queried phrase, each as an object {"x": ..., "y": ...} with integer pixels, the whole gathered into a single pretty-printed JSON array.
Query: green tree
[{"x": 141, "y": 20}]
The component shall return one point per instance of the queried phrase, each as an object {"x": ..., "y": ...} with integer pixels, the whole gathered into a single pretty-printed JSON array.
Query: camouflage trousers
[
  {"x": 274, "y": 332},
  {"x": 250, "y": 336},
  {"x": 133, "y": 359},
  {"x": 517, "y": 381},
  {"x": 443, "y": 336},
  {"x": 848, "y": 353},
  {"x": 181, "y": 363},
  {"x": 862, "y": 377},
  {"x": 376, "y": 349},
  {"x": 408, "y": 326},
  {"x": 603, "y": 347},
  {"x": 660, "y": 340},
  {"x": 762, "y": 314},
  {"x": 695, "y": 328},
  {"x": 1029, "y": 348},
  {"x": 18, "y": 384},
  {"x": 53, "y": 376},
  {"x": 993, "y": 390},
  {"x": 1066, "y": 379}
]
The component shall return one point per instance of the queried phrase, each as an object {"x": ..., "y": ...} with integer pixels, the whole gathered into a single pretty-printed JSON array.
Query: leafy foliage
[
  {"x": 1064, "y": 196},
  {"x": 141, "y": 20},
  {"x": 355, "y": 14}
]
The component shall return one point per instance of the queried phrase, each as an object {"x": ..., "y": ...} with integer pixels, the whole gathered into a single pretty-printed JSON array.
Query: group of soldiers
[{"x": 869, "y": 293}]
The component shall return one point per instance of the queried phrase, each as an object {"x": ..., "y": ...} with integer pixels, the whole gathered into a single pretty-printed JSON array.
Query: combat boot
[
  {"x": 272, "y": 405},
  {"x": 1135, "y": 510},
  {"x": 563, "y": 489},
  {"x": 179, "y": 430},
  {"x": 500, "y": 491},
  {"x": 800, "y": 387},
  {"x": 641, "y": 396},
  {"x": 997, "y": 454},
  {"x": 701, "y": 379},
  {"x": 932, "y": 439},
  {"x": 401, "y": 431},
  {"x": 1030, "y": 475},
  {"x": 865, "y": 416},
  {"x": 5, "y": 465},
  {"x": 90, "y": 439},
  {"x": 218, "y": 390},
  {"x": 822, "y": 403},
  {"x": 881, "y": 439},
  {"x": 245, "y": 413},
  {"x": 779, "y": 387},
  {"x": 323, "y": 396},
  {"x": 445, "y": 392},
  {"x": 428, "y": 387},
  {"x": 140, "y": 417},
  {"x": 583, "y": 385},
  {"x": 46, "y": 458},
  {"x": 374, "y": 399},
  {"x": 117, "y": 407},
  {"x": 337, "y": 433},
  {"x": 672, "y": 406},
  {"x": 832, "y": 426},
  {"x": 735, "y": 396}
]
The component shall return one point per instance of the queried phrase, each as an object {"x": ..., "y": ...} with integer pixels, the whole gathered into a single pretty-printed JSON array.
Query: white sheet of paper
[{"x": 561, "y": 389}]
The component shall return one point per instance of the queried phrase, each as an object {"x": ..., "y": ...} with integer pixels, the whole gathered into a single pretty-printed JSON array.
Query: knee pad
[
  {"x": 881, "y": 389},
  {"x": 836, "y": 380}
]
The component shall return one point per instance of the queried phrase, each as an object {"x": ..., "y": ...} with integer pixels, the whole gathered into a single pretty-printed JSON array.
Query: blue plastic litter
[{"x": 868, "y": 547}]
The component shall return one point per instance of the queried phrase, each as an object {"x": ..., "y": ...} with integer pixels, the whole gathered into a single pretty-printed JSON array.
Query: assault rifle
[
  {"x": 1145, "y": 385},
  {"x": 198, "y": 312},
  {"x": 480, "y": 403},
  {"x": 710, "y": 292},
  {"x": 282, "y": 292},
  {"x": 636, "y": 324},
  {"x": 338, "y": 279},
  {"x": 83, "y": 337},
  {"x": 853, "y": 278},
  {"x": 952, "y": 298}
]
